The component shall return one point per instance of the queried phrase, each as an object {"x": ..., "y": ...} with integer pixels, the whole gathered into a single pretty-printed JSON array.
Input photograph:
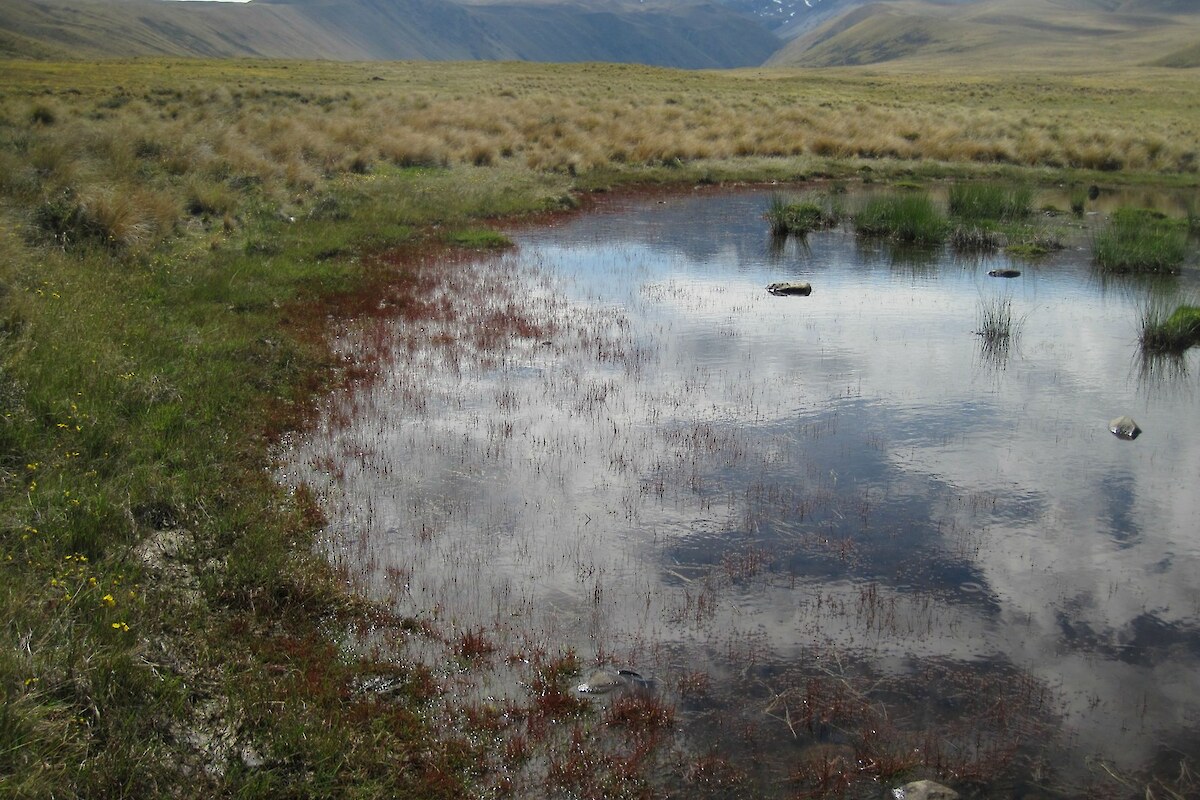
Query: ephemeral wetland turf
[
  {"x": 852, "y": 541},
  {"x": 771, "y": 537}
]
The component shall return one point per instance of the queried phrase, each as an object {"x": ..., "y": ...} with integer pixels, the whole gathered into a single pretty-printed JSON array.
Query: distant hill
[
  {"x": 921, "y": 34},
  {"x": 1183, "y": 58},
  {"x": 1002, "y": 34},
  {"x": 783, "y": 15},
  {"x": 693, "y": 34}
]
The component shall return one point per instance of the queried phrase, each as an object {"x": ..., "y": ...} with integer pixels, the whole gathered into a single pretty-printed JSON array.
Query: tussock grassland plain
[{"x": 175, "y": 236}]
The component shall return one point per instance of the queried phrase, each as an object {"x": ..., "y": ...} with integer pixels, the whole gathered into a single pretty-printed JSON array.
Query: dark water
[{"x": 783, "y": 499}]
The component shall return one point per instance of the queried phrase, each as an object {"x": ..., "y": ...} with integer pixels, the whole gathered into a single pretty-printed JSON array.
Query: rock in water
[
  {"x": 599, "y": 682},
  {"x": 924, "y": 790},
  {"x": 1125, "y": 428},
  {"x": 602, "y": 681},
  {"x": 789, "y": 287}
]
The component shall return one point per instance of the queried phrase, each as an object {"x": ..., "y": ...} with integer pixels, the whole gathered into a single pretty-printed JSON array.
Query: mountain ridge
[
  {"x": 698, "y": 34},
  {"x": 994, "y": 34},
  {"x": 1001, "y": 34}
]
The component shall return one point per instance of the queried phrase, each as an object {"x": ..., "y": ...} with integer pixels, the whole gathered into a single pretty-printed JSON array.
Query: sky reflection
[{"x": 845, "y": 470}]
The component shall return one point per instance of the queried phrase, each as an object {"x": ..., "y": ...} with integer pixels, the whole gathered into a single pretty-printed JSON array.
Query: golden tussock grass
[{"x": 287, "y": 130}]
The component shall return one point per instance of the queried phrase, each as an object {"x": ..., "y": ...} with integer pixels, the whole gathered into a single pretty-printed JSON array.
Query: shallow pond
[{"x": 843, "y": 533}]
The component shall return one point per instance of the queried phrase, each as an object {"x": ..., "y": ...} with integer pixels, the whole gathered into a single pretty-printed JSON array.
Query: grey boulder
[
  {"x": 802, "y": 288},
  {"x": 924, "y": 790},
  {"x": 603, "y": 681},
  {"x": 1125, "y": 428}
]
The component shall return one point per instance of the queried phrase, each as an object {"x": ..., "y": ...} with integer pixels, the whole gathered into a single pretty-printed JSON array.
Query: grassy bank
[{"x": 175, "y": 238}]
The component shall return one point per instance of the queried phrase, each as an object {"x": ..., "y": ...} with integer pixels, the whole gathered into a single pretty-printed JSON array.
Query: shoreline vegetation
[{"x": 179, "y": 236}]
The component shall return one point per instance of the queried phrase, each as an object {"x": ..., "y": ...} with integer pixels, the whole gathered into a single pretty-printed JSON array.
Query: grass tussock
[
  {"x": 909, "y": 218},
  {"x": 1173, "y": 332},
  {"x": 976, "y": 238},
  {"x": 996, "y": 321},
  {"x": 1137, "y": 240},
  {"x": 976, "y": 202},
  {"x": 998, "y": 328},
  {"x": 801, "y": 216}
]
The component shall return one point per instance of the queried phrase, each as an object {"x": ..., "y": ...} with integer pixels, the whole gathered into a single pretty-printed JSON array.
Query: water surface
[{"x": 664, "y": 466}]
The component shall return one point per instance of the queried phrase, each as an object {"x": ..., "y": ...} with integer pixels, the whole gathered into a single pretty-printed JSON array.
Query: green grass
[
  {"x": 1170, "y": 333},
  {"x": 907, "y": 218},
  {"x": 1033, "y": 239},
  {"x": 1137, "y": 240},
  {"x": 996, "y": 319},
  {"x": 975, "y": 202},
  {"x": 799, "y": 217},
  {"x": 1030, "y": 249},
  {"x": 479, "y": 239},
  {"x": 997, "y": 328},
  {"x": 976, "y": 238},
  {"x": 143, "y": 372}
]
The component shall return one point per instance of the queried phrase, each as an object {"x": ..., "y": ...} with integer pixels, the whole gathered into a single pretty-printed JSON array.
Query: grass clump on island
[
  {"x": 1140, "y": 240},
  {"x": 989, "y": 216},
  {"x": 801, "y": 216},
  {"x": 907, "y": 218},
  {"x": 177, "y": 237},
  {"x": 1173, "y": 332},
  {"x": 974, "y": 202}
]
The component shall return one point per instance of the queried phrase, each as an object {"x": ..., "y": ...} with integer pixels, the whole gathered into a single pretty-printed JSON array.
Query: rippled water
[{"x": 808, "y": 517}]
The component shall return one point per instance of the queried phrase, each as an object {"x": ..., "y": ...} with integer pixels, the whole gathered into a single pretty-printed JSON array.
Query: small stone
[
  {"x": 924, "y": 790},
  {"x": 801, "y": 288},
  {"x": 1125, "y": 428},
  {"x": 599, "y": 682},
  {"x": 251, "y": 759}
]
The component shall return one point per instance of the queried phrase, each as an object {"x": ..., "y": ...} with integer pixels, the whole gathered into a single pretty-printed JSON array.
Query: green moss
[
  {"x": 1028, "y": 249},
  {"x": 479, "y": 239}
]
